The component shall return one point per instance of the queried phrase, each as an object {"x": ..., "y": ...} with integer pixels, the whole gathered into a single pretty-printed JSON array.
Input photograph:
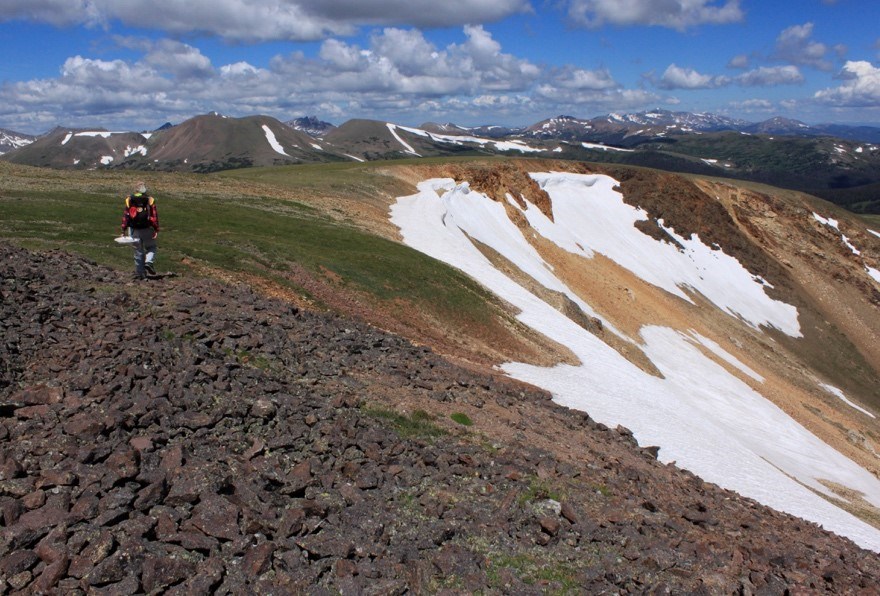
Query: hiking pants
[{"x": 144, "y": 249}]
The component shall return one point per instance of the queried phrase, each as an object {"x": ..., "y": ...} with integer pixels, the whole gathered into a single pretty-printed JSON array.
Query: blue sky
[{"x": 136, "y": 64}]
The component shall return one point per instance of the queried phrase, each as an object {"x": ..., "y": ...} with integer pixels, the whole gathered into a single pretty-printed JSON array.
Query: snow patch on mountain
[
  {"x": 591, "y": 210},
  {"x": 129, "y": 151},
  {"x": 406, "y": 146},
  {"x": 725, "y": 355},
  {"x": 273, "y": 141},
  {"x": 10, "y": 141},
  {"x": 104, "y": 134},
  {"x": 842, "y": 397},
  {"x": 499, "y": 145},
  {"x": 835, "y": 225},
  {"x": 605, "y": 147},
  {"x": 703, "y": 416}
]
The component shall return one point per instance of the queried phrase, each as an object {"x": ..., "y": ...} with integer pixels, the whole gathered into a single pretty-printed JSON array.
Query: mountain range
[{"x": 838, "y": 163}]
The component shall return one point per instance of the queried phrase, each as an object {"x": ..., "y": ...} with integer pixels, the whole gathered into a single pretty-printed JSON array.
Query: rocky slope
[{"x": 188, "y": 437}]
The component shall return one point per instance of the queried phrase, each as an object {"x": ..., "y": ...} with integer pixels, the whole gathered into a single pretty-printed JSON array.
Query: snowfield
[
  {"x": 273, "y": 141},
  {"x": 458, "y": 140},
  {"x": 705, "y": 418}
]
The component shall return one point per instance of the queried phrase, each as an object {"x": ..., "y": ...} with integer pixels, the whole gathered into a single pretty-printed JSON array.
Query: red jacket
[{"x": 140, "y": 212}]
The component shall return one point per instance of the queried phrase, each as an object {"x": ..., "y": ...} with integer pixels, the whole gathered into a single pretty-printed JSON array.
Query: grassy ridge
[{"x": 265, "y": 236}]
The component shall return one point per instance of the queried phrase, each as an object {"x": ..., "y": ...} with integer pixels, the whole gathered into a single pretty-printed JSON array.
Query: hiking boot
[
  {"x": 138, "y": 276},
  {"x": 148, "y": 267}
]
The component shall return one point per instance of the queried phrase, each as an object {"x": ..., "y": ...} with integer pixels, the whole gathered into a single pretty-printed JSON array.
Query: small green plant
[
  {"x": 532, "y": 570},
  {"x": 603, "y": 490},
  {"x": 417, "y": 424},
  {"x": 462, "y": 418},
  {"x": 538, "y": 490}
]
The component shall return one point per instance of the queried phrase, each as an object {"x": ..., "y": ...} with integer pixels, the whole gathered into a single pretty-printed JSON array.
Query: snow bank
[
  {"x": 513, "y": 145},
  {"x": 605, "y": 147},
  {"x": 129, "y": 150},
  {"x": 273, "y": 142},
  {"x": 406, "y": 146},
  {"x": 587, "y": 207},
  {"x": 840, "y": 395},
  {"x": 705, "y": 418}
]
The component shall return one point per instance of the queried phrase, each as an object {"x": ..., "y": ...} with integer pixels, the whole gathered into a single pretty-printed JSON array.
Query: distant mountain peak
[
  {"x": 10, "y": 140},
  {"x": 311, "y": 125}
]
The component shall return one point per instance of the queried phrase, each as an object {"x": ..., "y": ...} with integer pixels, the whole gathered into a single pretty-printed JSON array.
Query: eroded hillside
[{"x": 822, "y": 371}]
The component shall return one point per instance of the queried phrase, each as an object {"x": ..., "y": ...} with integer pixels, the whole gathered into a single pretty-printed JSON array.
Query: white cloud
[
  {"x": 795, "y": 45},
  {"x": 420, "y": 13},
  {"x": 675, "y": 14},
  {"x": 54, "y": 12},
  {"x": 753, "y": 105},
  {"x": 179, "y": 59},
  {"x": 240, "y": 70},
  {"x": 497, "y": 71},
  {"x": 860, "y": 88},
  {"x": 770, "y": 76},
  {"x": 594, "y": 80},
  {"x": 556, "y": 99},
  {"x": 676, "y": 77},
  {"x": 245, "y": 20},
  {"x": 740, "y": 61},
  {"x": 88, "y": 74},
  {"x": 400, "y": 73}
]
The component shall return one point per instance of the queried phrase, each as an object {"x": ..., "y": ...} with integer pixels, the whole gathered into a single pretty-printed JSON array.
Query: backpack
[{"x": 138, "y": 206}]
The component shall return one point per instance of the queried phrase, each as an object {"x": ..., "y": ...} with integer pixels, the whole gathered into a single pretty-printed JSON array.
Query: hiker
[{"x": 140, "y": 220}]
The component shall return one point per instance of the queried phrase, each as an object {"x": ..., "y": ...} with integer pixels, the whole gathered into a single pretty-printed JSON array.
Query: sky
[{"x": 136, "y": 64}]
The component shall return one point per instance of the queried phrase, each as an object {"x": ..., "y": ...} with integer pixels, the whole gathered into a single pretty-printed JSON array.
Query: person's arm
[
  {"x": 154, "y": 217},
  {"x": 125, "y": 216}
]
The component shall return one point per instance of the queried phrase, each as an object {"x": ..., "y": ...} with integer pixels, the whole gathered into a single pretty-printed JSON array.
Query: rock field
[{"x": 182, "y": 436}]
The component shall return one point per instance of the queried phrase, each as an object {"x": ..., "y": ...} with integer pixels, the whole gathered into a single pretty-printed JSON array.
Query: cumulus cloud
[
  {"x": 860, "y": 88},
  {"x": 676, "y": 77},
  {"x": 770, "y": 76},
  {"x": 591, "y": 80},
  {"x": 404, "y": 62},
  {"x": 54, "y": 12},
  {"x": 740, "y": 61},
  {"x": 245, "y": 20},
  {"x": 795, "y": 45},
  {"x": 596, "y": 100},
  {"x": 674, "y": 14},
  {"x": 419, "y": 13},
  {"x": 398, "y": 70},
  {"x": 179, "y": 59}
]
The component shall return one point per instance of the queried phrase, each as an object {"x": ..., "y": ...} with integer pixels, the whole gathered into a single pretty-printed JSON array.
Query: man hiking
[{"x": 140, "y": 220}]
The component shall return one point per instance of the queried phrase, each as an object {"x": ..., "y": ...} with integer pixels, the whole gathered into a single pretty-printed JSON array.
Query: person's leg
[
  {"x": 150, "y": 249},
  {"x": 140, "y": 253}
]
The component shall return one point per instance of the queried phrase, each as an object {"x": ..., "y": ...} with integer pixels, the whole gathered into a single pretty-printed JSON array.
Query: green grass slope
[{"x": 246, "y": 229}]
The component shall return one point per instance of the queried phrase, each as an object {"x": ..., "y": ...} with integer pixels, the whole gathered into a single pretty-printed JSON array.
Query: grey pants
[{"x": 144, "y": 249}]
